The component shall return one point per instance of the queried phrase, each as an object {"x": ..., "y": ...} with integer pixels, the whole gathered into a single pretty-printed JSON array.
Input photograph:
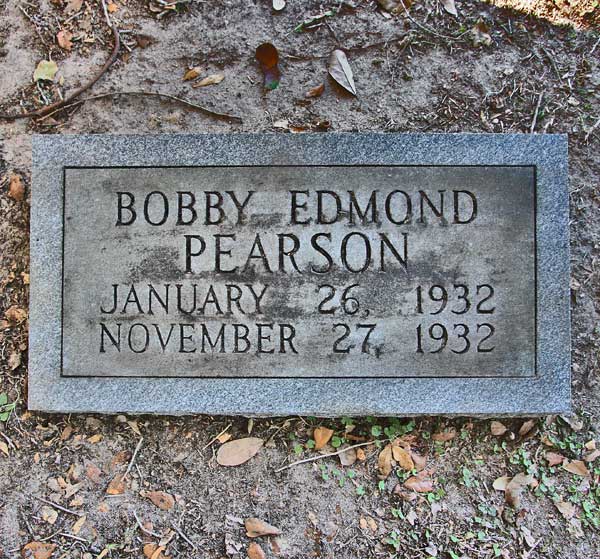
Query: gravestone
[{"x": 337, "y": 274}]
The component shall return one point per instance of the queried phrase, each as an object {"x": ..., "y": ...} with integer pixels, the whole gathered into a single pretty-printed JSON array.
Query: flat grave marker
[{"x": 331, "y": 274}]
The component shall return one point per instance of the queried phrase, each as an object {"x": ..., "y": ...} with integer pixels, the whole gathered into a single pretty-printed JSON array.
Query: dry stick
[
  {"x": 535, "y": 115},
  {"x": 215, "y": 438},
  {"x": 428, "y": 30},
  {"x": 190, "y": 542},
  {"x": 315, "y": 458},
  {"x": 591, "y": 130},
  {"x": 69, "y": 511},
  {"x": 146, "y": 531},
  {"x": 59, "y": 104},
  {"x": 137, "y": 449},
  {"x": 215, "y": 114}
]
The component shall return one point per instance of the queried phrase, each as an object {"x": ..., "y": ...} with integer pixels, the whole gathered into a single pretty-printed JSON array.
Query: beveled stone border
[{"x": 548, "y": 392}]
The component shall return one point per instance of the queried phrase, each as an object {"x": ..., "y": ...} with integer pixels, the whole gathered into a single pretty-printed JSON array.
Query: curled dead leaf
[
  {"x": 444, "y": 436},
  {"x": 38, "y": 550},
  {"x": 348, "y": 457},
  {"x": 192, "y": 73},
  {"x": 360, "y": 455},
  {"x": 419, "y": 461},
  {"x": 339, "y": 69},
  {"x": 15, "y": 315},
  {"x": 554, "y": 458},
  {"x": 161, "y": 499},
  {"x": 498, "y": 429},
  {"x": 234, "y": 453},
  {"x": 565, "y": 508},
  {"x": 526, "y": 427},
  {"x": 421, "y": 483},
  {"x": 322, "y": 435},
  {"x": 154, "y": 551},
  {"x": 213, "y": 79},
  {"x": 480, "y": 34},
  {"x": 501, "y": 483},
  {"x": 591, "y": 456},
  {"x": 403, "y": 458},
  {"x": 316, "y": 91},
  {"x": 45, "y": 70},
  {"x": 63, "y": 38},
  {"x": 384, "y": 462},
  {"x": 256, "y": 528},
  {"x": 16, "y": 190}
]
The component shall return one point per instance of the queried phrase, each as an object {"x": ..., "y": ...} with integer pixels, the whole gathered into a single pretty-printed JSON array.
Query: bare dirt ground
[{"x": 427, "y": 72}]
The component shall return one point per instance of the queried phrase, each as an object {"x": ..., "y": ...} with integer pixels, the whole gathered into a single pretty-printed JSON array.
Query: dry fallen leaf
[
  {"x": 576, "y": 467},
  {"x": 224, "y": 437},
  {"x": 339, "y": 69},
  {"x": 444, "y": 436},
  {"x": 501, "y": 483},
  {"x": 161, "y": 499},
  {"x": 93, "y": 473},
  {"x": 49, "y": 514},
  {"x": 16, "y": 190},
  {"x": 116, "y": 486},
  {"x": 234, "y": 453},
  {"x": 153, "y": 551},
  {"x": 256, "y": 528},
  {"x": 514, "y": 489},
  {"x": 38, "y": 550},
  {"x": 384, "y": 462},
  {"x": 360, "y": 455},
  {"x": 4, "y": 448},
  {"x": 63, "y": 38},
  {"x": 255, "y": 551},
  {"x": 403, "y": 458},
  {"x": 421, "y": 483},
  {"x": 480, "y": 34},
  {"x": 419, "y": 461},
  {"x": 554, "y": 458},
  {"x": 192, "y": 73},
  {"x": 450, "y": 7},
  {"x": 112, "y": 7},
  {"x": 498, "y": 429},
  {"x": 591, "y": 456},
  {"x": 45, "y": 70},
  {"x": 14, "y": 360},
  {"x": 526, "y": 427},
  {"x": 15, "y": 315},
  {"x": 566, "y": 509},
  {"x": 315, "y": 91},
  {"x": 394, "y": 6},
  {"x": 268, "y": 58},
  {"x": 348, "y": 458},
  {"x": 322, "y": 436},
  {"x": 76, "y": 528},
  {"x": 213, "y": 79}
]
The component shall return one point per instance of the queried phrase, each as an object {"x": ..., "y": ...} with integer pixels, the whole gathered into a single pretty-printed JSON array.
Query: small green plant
[
  {"x": 394, "y": 540},
  {"x": 5, "y": 408}
]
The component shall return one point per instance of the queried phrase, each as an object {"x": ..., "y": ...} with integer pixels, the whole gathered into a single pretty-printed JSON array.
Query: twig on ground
[
  {"x": 591, "y": 130},
  {"x": 215, "y": 438},
  {"x": 535, "y": 114},
  {"x": 315, "y": 458},
  {"x": 183, "y": 536},
  {"x": 429, "y": 30},
  {"x": 145, "y": 530},
  {"x": 69, "y": 98},
  {"x": 132, "y": 461},
  {"x": 202, "y": 109},
  {"x": 59, "y": 507}
]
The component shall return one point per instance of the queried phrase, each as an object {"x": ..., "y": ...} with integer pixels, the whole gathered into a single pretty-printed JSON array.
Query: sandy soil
[{"x": 418, "y": 74}]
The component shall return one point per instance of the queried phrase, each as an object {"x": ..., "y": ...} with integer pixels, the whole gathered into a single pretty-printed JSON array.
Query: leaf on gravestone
[
  {"x": 403, "y": 458},
  {"x": 340, "y": 70},
  {"x": 234, "y": 453},
  {"x": 450, "y": 7},
  {"x": 256, "y": 528},
  {"x": 46, "y": 70},
  {"x": 268, "y": 58},
  {"x": 63, "y": 38},
  {"x": 38, "y": 550},
  {"x": 322, "y": 435},
  {"x": 192, "y": 73},
  {"x": 255, "y": 551},
  {"x": 213, "y": 79},
  {"x": 576, "y": 467},
  {"x": 16, "y": 190},
  {"x": 565, "y": 508},
  {"x": 526, "y": 427},
  {"x": 554, "y": 458},
  {"x": 347, "y": 458},
  {"x": 498, "y": 429},
  {"x": 278, "y": 5},
  {"x": 316, "y": 91},
  {"x": 501, "y": 483},
  {"x": 384, "y": 462},
  {"x": 116, "y": 486},
  {"x": 161, "y": 499},
  {"x": 480, "y": 34},
  {"x": 421, "y": 483},
  {"x": 514, "y": 489}
]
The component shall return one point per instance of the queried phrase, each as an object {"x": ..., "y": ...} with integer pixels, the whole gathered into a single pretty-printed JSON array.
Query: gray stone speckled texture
[{"x": 548, "y": 392}]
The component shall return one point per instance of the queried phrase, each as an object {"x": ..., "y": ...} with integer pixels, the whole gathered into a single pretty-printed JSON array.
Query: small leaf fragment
[
  {"x": 501, "y": 483},
  {"x": 161, "y": 499},
  {"x": 421, "y": 483},
  {"x": 480, "y": 34},
  {"x": 514, "y": 488},
  {"x": 450, "y": 7},
  {"x": 63, "y": 38},
  {"x": 576, "y": 467},
  {"x": 213, "y": 79},
  {"x": 339, "y": 69},
  {"x": 255, "y": 551},
  {"x": 444, "y": 436},
  {"x": 498, "y": 429},
  {"x": 384, "y": 462},
  {"x": 316, "y": 91},
  {"x": 256, "y": 528},
  {"x": 192, "y": 73},
  {"x": 234, "y": 453},
  {"x": 38, "y": 550},
  {"x": 403, "y": 458},
  {"x": 45, "y": 70},
  {"x": 16, "y": 190},
  {"x": 116, "y": 486},
  {"x": 554, "y": 458},
  {"x": 348, "y": 457}
]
